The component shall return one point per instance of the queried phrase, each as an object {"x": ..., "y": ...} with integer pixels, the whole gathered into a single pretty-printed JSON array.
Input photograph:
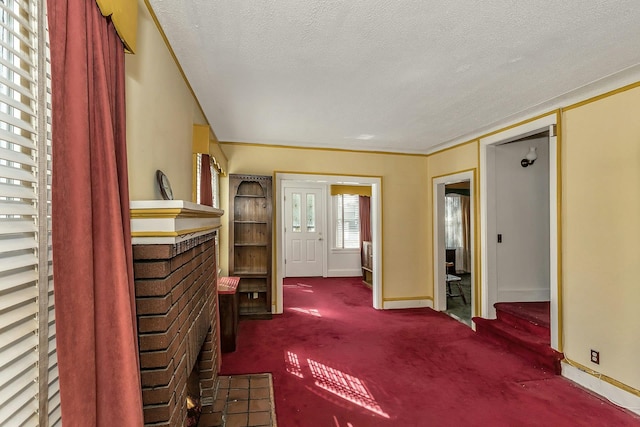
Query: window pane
[
  {"x": 338, "y": 204},
  {"x": 198, "y": 160},
  {"x": 351, "y": 216},
  {"x": 311, "y": 213},
  {"x": 295, "y": 212},
  {"x": 215, "y": 186},
  {"x": 347, "y": 221},
  {"x": 453, "y": 221}
]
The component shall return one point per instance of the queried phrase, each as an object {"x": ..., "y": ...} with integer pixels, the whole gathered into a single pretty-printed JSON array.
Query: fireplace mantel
[{"x": 171, "y": 221}]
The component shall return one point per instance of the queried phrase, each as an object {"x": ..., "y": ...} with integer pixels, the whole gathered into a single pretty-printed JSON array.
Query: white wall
[
  {"x": 344, "y": 263},
  {"x": 522, "y": 217}
]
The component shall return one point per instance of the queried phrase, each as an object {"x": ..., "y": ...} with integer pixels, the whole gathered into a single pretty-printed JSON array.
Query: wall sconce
[{"x": 529, "y": 158}]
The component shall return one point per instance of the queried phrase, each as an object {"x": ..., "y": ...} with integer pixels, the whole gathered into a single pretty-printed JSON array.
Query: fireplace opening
[{"x": 194, "y": 398}]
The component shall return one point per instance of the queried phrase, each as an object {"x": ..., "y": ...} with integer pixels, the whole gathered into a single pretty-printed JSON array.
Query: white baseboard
[
  {"x": 346, "y": 272},
  {"x": 409, "y": 303},
  {"x": 614, "y": 394}
]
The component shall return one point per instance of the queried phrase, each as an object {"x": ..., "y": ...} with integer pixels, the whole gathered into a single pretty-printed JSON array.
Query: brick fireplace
[{"x": 177, "y": 307}]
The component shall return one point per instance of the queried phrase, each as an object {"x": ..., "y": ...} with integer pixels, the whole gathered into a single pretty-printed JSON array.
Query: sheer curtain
[{"x": 457, "y": 229}]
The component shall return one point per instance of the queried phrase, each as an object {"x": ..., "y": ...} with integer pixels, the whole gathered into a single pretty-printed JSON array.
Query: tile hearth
[{"x": 242, "y": 400}]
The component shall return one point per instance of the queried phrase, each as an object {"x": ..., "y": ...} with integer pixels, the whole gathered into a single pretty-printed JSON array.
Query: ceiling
[{"x": 386, "y": 75}]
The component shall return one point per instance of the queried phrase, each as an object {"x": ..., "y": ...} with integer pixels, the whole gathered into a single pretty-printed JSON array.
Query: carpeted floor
[{"x": 338, "y": 362}]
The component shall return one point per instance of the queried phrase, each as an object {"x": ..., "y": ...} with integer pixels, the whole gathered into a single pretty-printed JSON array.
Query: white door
[{"x": 303, "y": 232}]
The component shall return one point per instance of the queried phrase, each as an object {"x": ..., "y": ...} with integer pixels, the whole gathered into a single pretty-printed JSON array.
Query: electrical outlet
[{"x": 595, "y": 356}]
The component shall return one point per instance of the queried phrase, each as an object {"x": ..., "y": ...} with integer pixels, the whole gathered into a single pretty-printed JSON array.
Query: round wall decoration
[{"x": 164, "y": 185}]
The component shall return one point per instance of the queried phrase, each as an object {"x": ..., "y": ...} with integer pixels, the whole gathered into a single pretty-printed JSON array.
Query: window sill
[{"x": 345, "y": 250}]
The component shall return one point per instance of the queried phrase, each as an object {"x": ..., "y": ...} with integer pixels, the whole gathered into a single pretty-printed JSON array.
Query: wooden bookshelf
[{"x": 250, "y": 242}]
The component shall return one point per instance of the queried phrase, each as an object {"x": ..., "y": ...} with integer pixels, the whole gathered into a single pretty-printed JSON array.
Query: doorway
[
  {"x": 454, "y": 225},
  {"x": 301, "y": 180},
  {"x": 457, "y": 236},
  {"x": 519, "y": 219},
  {"x": 304, "y": 230}
]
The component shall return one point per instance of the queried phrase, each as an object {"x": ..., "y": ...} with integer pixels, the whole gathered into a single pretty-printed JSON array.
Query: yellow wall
[
  {"x": 448, "y": 162},
  {"x": 601, "y": 229},
  {"x": 404, "y": 203},
  {"x": 453, "y": 160},
  {"x": 161, "y": 112}
]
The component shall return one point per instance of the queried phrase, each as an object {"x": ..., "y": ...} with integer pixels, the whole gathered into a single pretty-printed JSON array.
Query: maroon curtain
[
  {"x": 93, "y": 273},
  {"x": 365, "y": 219},
  {"x": 365, "y": 222},
  {"x": 206, "y": 193}
]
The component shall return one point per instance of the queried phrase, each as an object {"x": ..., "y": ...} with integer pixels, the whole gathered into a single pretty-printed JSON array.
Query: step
[
  {"x": 529, "y": 316},
  {"x": 521, "y": 342}
]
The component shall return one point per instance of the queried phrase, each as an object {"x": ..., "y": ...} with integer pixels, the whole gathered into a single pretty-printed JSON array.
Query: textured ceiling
[{"x": 387, "y": 75}]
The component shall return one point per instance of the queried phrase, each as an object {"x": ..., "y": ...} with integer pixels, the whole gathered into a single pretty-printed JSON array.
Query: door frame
[
  {"x": 376, "y": 225},
  {"x": 439, "y": 250},
  {"x": 322, "y": 209},
  {"x": 487, "y": 218}
]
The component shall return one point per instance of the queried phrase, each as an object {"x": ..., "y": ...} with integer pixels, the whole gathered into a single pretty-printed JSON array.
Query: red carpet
[
  {"x": 338, "y": 362},
  {"x": 536, "y": 313},
  {"x": 523, "y": 328}
]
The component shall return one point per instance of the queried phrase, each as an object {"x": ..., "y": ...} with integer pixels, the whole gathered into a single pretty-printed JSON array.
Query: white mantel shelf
[{"x": 170, "y": 221}]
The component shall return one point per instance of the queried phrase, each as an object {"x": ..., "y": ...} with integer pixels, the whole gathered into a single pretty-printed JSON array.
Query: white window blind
[
  {"x": 28, "y": 368},
  {"x": 198, "y": 160},
  {"x": 215, "y": 186},
  {"x": 347, "y": 221}
]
